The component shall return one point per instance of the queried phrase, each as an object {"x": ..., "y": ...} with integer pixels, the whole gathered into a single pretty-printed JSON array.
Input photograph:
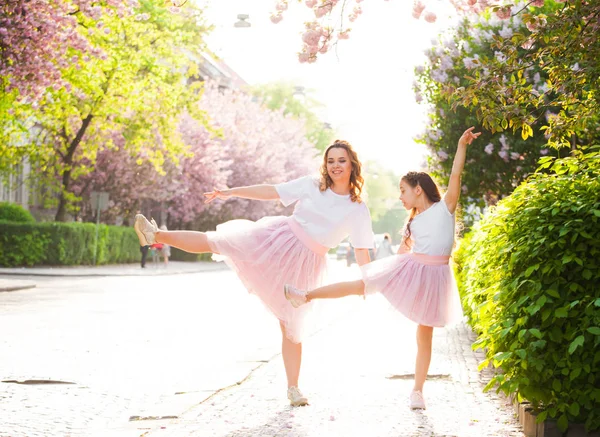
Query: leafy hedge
[
  {"x": 15, "y": 213},
  {"x": 27, "y": 244},
  {"x": 180, "y": 255},
  {"x": 529, "y": 277}
]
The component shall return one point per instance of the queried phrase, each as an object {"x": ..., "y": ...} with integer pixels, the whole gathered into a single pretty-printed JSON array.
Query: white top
[
  {"x": 432, "y": 231},
  {"x": 327, "y": 217}
]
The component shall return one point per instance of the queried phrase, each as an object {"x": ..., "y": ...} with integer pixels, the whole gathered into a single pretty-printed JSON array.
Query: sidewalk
[
  {"x": 9, "y": 283},
  {"x": 134, "y": 269},
  {"x": 357, "y": 375}
]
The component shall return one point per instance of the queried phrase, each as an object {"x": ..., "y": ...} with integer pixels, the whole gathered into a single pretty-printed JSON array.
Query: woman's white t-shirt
[
  {"x": 432, "y": 231},
  {"x": 326, "y": 216}
]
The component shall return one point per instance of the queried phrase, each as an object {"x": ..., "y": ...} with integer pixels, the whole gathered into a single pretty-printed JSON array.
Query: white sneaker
[
  {"x": 296, "y": 397},
  {"x": 296, "y": 296},
  {"x": 417, "y": 402},
  {"x": 145, "y": 230}
]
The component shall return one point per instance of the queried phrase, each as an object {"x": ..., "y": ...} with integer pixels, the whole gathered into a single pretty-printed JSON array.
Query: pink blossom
[
  {"x": 303, "y": 57},
  {"x": 442, "y": 155},
  {"x": 418, "y": 8},
  {"x": 537, "y": 3},
  {"x": 489, "y": 148},
  {"x": 345, "y": 34},
  {"x": 515, "y": 156},
  {"x": 544, "y": 152},
  {"x": 311, "y": 37},
  {"x": 430, "y": 17},
  {"x": 504, "y": 13},
  {"x": 281, "y": 6},
  {"x": 276, "y": 18},
  {"x": 311, "y": 3}
]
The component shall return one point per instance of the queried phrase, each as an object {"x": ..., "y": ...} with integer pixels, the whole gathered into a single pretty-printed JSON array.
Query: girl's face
[
  {"x": 339, "y": 166},
  {"x": 409, "y": 195}
]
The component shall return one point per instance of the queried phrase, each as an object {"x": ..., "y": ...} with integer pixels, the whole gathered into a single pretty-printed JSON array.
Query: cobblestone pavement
[
  {"x": 357, "y": 375},
  {"x": 96, "y": 351},
  {"x": 109, "y": 349}
]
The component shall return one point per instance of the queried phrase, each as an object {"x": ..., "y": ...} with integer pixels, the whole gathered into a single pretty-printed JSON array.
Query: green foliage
[
  {"x": 131, "y": 97},
  {"x": 28, "y": 244},
  {"x": 561, "y": 40},
  {"x": 500, "y": 159},
  {"x": 180, "y": 255},
  {"x": 13, "y": 212},
  {"x": 280, "y": 95},
  {"x": 529, "y": 277}
]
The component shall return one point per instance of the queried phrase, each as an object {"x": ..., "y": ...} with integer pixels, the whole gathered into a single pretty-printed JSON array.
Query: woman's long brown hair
[{"x": 356, "y": 179}]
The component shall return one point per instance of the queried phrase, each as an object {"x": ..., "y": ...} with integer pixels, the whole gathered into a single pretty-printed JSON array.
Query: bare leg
[
  {"x": 424, "y": 343},
  {"x": 292, "y": 358},
  {"x": 335, "y": 291},
  {"x": 190, "y": 241}
]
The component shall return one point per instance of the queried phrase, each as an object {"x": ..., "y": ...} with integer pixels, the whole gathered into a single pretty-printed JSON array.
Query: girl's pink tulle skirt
[
  {"x": 421, "y": 287},
  {"x": 266, "y": 255}
]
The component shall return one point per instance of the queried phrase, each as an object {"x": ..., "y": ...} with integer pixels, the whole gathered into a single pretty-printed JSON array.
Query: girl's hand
[
  {"x": 216, "y": 194},
  {"x": 468, "y": 136}
]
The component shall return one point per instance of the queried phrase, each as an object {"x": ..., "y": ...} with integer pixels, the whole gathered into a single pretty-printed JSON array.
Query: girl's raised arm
[{"x": 453, "y": 193}]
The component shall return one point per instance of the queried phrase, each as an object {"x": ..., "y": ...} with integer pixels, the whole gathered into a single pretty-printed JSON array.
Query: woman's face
[
  {"x": 339, "y": 166},
  {"x": 409, "y": 194}
]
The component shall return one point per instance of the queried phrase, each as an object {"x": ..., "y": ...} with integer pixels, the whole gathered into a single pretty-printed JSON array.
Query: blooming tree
[
  {"x": 259, "y": 146},
  {"x": 562, "y": 40},
  {"x": 246, "y": 144},
  {"x": 37, "y": 35},
  {"x": 333, "y": 20},
  {"x": 131, "y": 97},
  {"x": 503, "y": 159}
]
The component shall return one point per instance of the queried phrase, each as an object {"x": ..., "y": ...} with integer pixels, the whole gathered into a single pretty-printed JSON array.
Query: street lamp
[
  {"x": 299, "y": 92},
  {"x": 242, "y": 21}
]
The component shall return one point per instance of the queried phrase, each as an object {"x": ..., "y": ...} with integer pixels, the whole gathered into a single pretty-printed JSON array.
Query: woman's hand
[{"x": 217, "y": 194}]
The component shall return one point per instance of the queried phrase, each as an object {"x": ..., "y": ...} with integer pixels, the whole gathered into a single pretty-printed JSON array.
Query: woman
[{"x": 277, "y": 250}]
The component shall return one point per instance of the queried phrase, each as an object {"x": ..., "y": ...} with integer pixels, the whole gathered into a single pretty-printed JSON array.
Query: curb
[
  {"x": 547, "y": 428},
  {"x": 66, "y": 272},
  {"x": 14, "y": 285}
]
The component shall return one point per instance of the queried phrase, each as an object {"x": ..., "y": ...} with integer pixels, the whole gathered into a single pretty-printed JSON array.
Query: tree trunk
[{"x": 61, "y": 213}]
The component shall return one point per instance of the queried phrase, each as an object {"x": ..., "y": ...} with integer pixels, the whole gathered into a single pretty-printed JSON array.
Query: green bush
[
  {"x": 27, "y": 244},
  {"x": 180, "y": 255},
  {"x": 529, "y": 277},
  {"x": 15, "y": 213}
]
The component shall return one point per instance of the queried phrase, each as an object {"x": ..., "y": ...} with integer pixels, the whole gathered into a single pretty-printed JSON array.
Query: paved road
[{"x": 100, "y": 351}]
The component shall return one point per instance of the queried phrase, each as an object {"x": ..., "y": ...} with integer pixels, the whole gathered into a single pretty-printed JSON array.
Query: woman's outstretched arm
[{"x": 256, "y": 192}]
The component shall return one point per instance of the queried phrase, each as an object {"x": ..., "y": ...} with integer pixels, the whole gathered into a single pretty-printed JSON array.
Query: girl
[
  {"x": 277, "y": 250},
  {"x": 418, "y": 281}
]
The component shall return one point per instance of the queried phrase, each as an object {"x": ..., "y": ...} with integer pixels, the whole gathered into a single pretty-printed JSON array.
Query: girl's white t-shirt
[
  {"x": 326, "y": 216},
  {"x": 432, "y": 231}
]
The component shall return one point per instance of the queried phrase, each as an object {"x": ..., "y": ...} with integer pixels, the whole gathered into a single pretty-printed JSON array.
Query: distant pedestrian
[
  {"x": 144, "y": 248},
  {"x": 385, "y": 248},
  {"x": 166, "y": 249}
]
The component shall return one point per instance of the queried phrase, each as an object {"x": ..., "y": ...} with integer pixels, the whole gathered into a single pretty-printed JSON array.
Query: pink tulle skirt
[
  {"x": 421, "y": 287},
  {"x": 266, "y": 255}
]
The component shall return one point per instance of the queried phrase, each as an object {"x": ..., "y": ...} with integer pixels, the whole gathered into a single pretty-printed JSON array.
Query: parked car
[{"x": 342, "y": 250}]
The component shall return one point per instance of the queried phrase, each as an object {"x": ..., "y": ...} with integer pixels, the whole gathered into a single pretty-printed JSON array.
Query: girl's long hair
[{"x": 422, "y": 179}]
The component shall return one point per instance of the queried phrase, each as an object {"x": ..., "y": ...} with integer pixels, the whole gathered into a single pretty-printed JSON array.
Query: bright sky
[{"x": 366, "y": 86}]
